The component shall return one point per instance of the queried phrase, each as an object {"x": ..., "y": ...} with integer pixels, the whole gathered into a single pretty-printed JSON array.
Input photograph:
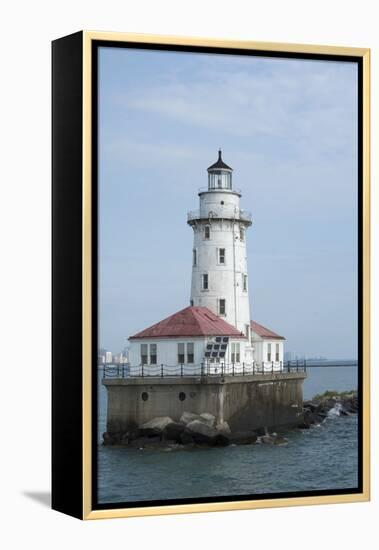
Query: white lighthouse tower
[{"x": 219, "y": 261}]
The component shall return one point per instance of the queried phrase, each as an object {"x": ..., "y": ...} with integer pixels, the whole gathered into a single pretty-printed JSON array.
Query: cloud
[{"x": 311, "y": 104}]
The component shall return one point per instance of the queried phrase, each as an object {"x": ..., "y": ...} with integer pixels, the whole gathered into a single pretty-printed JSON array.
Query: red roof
[
  {"x": 191, "y": 321},
  {"x": 264, "y": 332}
]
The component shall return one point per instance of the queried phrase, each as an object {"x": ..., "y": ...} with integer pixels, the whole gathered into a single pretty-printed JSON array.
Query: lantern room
[{"x": 219, "y": 175}]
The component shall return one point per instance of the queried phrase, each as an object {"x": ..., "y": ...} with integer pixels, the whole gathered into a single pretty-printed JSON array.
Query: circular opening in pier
[
  {"x": 182, "y": 396},
  {"x": 144, "y": 396}
]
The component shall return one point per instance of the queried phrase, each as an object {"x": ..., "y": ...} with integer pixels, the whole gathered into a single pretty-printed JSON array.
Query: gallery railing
[
  {"x": 228, "y": 213},
  {"x": 112, "y": 370}
]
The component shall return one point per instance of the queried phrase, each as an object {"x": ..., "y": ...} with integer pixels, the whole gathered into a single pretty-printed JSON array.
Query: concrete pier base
[{"x": 248, "y": 402}]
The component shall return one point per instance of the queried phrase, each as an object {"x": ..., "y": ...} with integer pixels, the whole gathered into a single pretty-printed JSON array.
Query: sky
[{"x": 288, "y": 128}]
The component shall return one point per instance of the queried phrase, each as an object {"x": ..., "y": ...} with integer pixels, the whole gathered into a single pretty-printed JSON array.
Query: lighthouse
[
  {"x": 219, "y": 259},
  {"x": 216, "y": 329},
  {"x": 209, "y": 357}
]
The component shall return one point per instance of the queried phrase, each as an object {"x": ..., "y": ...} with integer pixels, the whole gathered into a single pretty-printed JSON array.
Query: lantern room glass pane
[{"x": 220, "y": 180}]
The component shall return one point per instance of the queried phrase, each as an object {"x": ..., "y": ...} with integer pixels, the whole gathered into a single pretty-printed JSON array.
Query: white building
[
  {"x": 268, "y": 347},
  {"x": 191, "y": 341},
  {"x": 216, "y": 331}
]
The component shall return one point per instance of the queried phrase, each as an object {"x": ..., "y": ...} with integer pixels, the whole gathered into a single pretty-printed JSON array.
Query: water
[
  {"x": 325, "y": 378},
  {"x": 324, "y": 457}
]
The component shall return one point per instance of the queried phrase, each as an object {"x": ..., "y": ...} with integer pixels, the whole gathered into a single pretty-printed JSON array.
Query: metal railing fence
[{"x": 112, "y": 370}]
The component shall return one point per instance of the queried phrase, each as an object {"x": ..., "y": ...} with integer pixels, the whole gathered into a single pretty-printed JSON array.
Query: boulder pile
[
  {"x": 328, "y": 404},
  {"x": 191, "y": 430}
]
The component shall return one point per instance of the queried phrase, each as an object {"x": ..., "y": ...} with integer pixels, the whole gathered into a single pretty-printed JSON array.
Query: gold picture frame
[{"x": 82, "y": 46}]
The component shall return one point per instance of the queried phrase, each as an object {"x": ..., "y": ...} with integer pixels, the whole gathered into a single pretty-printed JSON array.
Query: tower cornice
[{"x": 196, "y": 219}]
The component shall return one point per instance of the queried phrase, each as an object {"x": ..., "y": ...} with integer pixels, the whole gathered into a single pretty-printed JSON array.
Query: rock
[
  {"x": 329, "y": 403},
  {"x": 273, "y": 439},
  {"x": 188, "y": 417},
  {"x": 124, "y": 439},
  {"x": 268, "y": 439},
  {"x": 208, "y": 418},
  {"x": 220, "y": 440},
  {"x": 186, "y": 438},
  {"x": 243, "y": 437},
  {"x": 309, "y": 418},
  {"x": 223, "y": 428},
  {"x": 303, "y": 426},
  {"x": 280, "y": 440},
  {"x": 351, "y": 406},
  {"x": 344, "y": 411},
  {"x": 154, "y": 426},
  {"x": 311, "y": 406},
  {"x": 173, "y": 431},
  {"x": 202, "y": 434},
  {"x": 319, "y": 417},
  {"x": 261, "y": 431},
  {"x": 311, "y": 415},
  {"x": 109, "y": 438}
]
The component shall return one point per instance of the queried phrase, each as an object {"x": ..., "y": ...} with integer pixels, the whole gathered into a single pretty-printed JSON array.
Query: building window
[
  {"x": 242, "y": 233},
  {"x": 268, "y": 352},
  {"x": 181, "y": 358},
  {"x": 222, "y": 306},
  {"x": 235, "y": 352},
  {"x": 143, "y": 354},
  {"x": 194, "y": 256},
  {"x": 244, "y": 282},
  {"x": 153, "y": 354},
  {"x": 221, "y": 255},
  {"x": 190, "y": 352},
  {"x": 247, "y": 331},
  {"x": 207, "y": 232},
  {"x": 276, "y": 352},
  {"x": 204, "y": 281}
]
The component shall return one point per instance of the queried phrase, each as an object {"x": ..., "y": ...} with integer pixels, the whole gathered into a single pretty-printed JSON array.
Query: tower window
[
  {"x": 181, "y": 357},
  {"x": 207, "y": 232},
  {"x": 242, "y": 233},
  {"x": 276, "y": 352},
  {"x": 247, "y": 331},
  {"x": 268, "y": 352},
  {"x": 194, "y": 256},
  {"x": 244, "y": 282},
  {"x": 222, "y": 306},
  {"x": 221, "y": 255},
  {"x": 235, "y": 355},
  {"x": 143, "y": 354},
  {"x": 204, "y": 281}
]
